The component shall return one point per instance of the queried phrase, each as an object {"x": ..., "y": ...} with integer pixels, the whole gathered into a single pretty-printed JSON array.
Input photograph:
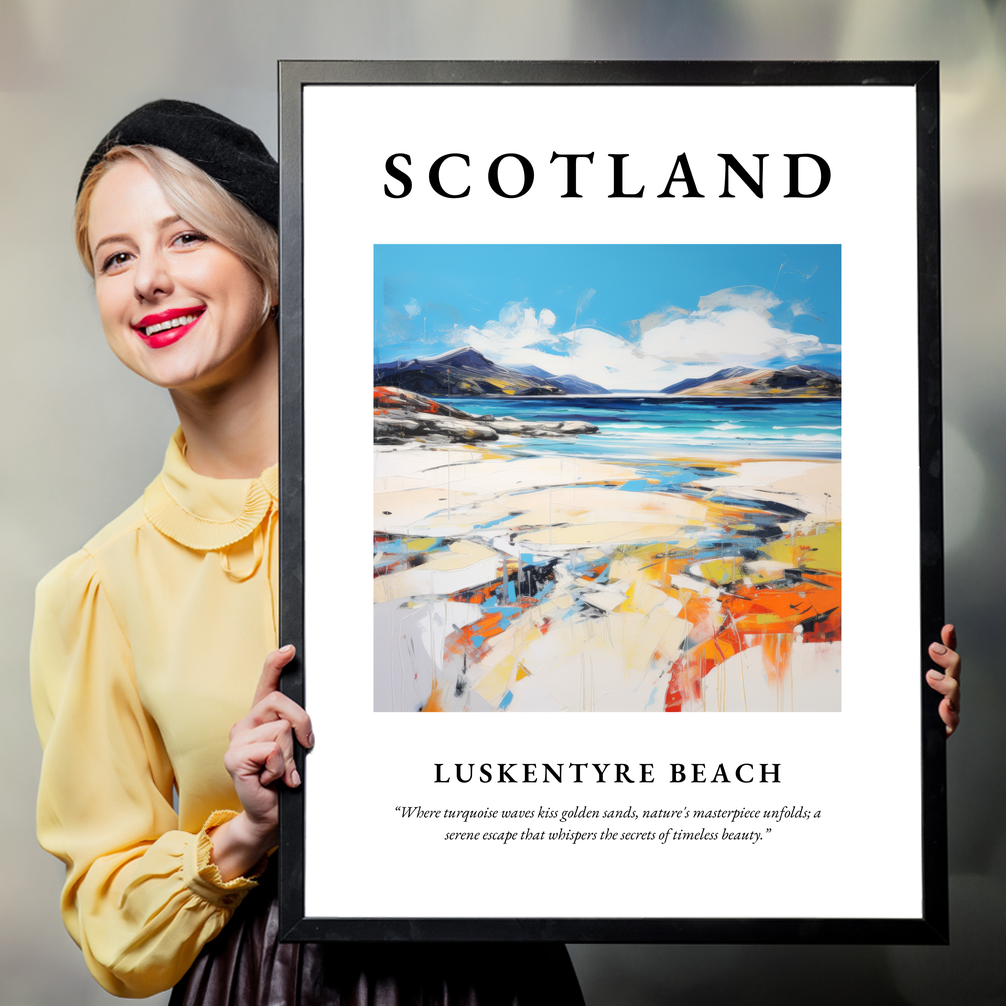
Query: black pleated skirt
[{"x": 246, "y": 965}]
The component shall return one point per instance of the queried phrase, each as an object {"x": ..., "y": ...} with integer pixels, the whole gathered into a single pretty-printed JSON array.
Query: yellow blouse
[{"x": 147, "y": 647}]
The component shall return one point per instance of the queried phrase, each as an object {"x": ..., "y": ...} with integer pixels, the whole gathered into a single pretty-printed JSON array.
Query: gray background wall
[{"x": 82, "y": 436}]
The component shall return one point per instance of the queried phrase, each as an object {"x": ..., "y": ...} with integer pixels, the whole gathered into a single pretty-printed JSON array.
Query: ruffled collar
[{"x": 203, "y": 513}]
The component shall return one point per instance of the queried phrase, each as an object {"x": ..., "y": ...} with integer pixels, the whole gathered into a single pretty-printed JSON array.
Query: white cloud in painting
[
  {"x": 517, "y": 329},
  {"x": 798, "y": 307},
  {"x": 522, "y": 338},
  {"x": 741, "y": 298},
  {"x": 412, "y": 308},
  {"x": 728, "y": 328}
]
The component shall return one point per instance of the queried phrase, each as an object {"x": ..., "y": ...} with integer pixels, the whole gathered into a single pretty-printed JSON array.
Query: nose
[{"x": 152, "y": 276}]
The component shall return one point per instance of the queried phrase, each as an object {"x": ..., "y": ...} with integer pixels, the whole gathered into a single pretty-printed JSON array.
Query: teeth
[{"x": 174, "y": 323}]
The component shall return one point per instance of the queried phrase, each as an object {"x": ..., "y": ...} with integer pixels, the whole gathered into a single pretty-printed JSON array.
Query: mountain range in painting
[
  {"x": 466, "y": 373},
  {"x": 750, "y": 382},
  {"x": 461, "y": 373}
]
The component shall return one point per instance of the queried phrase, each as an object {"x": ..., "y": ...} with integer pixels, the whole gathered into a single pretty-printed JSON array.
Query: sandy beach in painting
[{"x": 511, "y": 582}]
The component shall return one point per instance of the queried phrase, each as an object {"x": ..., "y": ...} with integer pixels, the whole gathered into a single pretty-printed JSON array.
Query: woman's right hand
[
  {"x": 260, "y": 753},
  {"x": 948, "y": 681}
]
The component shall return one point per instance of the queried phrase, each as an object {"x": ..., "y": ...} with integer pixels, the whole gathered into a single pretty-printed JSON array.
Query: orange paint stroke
[{"x": 748, "y": 616}]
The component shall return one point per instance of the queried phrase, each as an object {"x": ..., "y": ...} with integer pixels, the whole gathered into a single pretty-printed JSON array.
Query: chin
[
  {"x": 191, "y": 364},
  {"x": 170, "y": 374}
]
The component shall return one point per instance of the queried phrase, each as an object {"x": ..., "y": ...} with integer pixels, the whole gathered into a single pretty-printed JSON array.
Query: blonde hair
[{"x": 199, "y": 200}]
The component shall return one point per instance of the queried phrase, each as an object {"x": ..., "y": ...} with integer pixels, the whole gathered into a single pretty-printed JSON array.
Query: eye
[
  {"x": 115, "y": 261},
  {"x": 189, "y": 239}
]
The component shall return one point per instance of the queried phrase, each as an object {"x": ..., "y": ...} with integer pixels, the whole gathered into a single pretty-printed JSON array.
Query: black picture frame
[{"x": 931, "y": 927}]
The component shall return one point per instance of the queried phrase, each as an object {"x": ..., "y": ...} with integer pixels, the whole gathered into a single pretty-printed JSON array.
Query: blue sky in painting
[{"x": 636, "y": 317}]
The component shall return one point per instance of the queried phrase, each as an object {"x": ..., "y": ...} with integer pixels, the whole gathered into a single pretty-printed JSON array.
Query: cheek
[
  {"x": 113, "y": 311},
  {"x": 246, "y": 300}
]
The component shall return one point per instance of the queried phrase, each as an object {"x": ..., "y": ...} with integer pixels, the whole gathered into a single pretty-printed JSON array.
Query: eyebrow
[{"x": 111, "y": 238}]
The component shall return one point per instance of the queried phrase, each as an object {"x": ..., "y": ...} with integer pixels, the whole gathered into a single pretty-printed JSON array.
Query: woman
[{"x": 148, "y": 643}]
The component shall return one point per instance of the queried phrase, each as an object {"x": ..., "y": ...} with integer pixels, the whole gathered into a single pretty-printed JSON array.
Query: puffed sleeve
[{"x": 141, "y": 898}]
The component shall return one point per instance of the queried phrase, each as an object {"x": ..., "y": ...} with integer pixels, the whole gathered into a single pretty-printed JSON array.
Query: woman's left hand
[{"x": 948, "y": 681}]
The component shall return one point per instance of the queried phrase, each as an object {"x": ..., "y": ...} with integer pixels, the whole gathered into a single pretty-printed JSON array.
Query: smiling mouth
[
  {"x": 185, "y": 319},
  {"x": 167, "y": 327},
  {"x": 167, "y": 321}
]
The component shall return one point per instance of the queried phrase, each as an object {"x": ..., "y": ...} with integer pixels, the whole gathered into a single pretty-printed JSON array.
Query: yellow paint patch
[
  {"x": 559, "y": 598},
  {"x": 658, "y": 628},
  {"x": 643, "y": 597},
  {"x": 461, "y": 555},
  {"x": 494, "y": 684},
  {"x": 761, "y": 618},
  {"x": 729, "y": 569},
  {"x": 420, "y": 544},
  {"x": 819, "y": 547},
  {"x": 623, "y": 568}
]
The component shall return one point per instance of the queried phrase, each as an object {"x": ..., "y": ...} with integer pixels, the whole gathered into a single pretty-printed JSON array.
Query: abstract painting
[{"x": 607, "y": 478}]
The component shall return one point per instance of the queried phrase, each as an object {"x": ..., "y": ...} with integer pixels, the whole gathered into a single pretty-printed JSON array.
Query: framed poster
[{"x": 612, "y": 389}]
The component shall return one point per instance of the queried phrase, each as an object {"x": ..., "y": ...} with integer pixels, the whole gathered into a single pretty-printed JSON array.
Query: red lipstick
[{"x": 166, "y": 325}]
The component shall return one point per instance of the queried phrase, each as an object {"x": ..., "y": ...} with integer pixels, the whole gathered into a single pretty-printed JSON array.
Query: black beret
[{"x": 230, "y": 154}]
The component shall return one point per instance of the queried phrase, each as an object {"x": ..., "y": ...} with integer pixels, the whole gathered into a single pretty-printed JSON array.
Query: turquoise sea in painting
[{"x": 636, "y": 427}]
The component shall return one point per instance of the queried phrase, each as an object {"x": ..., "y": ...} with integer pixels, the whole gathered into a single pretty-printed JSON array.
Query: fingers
[
  {"x": 277, "y": 706},
  {"x": 948, "y": 710},
  {"x": 945, "y": 653},
  {"x": 271, "y": 671},
  {"x": 949, "y": 688},
  {"x": 270, "y": 703},
  {"x": 265, "y": 751},
  {"x": 948, "y": 660},
  {"x": 949, "y": 636},
  {"x": 950, "y": 716},
  {"x": 272, "y": 760},
  {"x": 280, "y": 763},
  {"x": 261, "y": 749},
  {"x": 262, "y": 761},
  {"x": 947, "y": 681}
]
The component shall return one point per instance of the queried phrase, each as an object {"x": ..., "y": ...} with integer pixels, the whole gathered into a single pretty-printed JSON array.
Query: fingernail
[
  {"x": 951, "y": 706},
  {"x": 310, "y": 740},
  {"x": 287, "y": 649},
  {"x": 938, "y": 648},
  {"x": 295, "y": 777},
  {"x": 936, "y": 676}
]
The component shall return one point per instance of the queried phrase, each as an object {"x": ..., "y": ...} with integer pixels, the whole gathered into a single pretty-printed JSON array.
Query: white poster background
[{"x": 860, "y": 767}]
